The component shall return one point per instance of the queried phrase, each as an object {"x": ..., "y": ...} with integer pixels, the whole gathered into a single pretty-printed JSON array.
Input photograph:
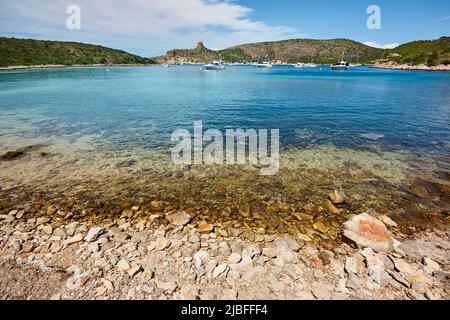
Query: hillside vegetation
[
  {"x": 428, "y": 52},
  {"x": 287, "y": 51},
  {"x": 28, "y": 52}
]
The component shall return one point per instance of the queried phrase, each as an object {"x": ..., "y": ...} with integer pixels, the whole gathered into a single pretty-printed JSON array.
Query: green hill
[
  {"x": 287, "y": 51},
  {"x": 28, "y": 52},
  {"x": 428, "y": 52}
]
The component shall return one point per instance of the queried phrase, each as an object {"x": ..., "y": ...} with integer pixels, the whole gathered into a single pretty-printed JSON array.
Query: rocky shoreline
[
  {"x": 350, "y": 225},
  {"x": 422, "y": 67},
  {"x": 134, "y": 257}
]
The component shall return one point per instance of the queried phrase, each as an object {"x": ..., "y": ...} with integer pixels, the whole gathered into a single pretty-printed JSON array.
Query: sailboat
[{"x": 341, "y": 65}]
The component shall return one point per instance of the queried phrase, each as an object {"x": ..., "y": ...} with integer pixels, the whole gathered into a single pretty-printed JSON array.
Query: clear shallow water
[{"x": 138, "y": 107}]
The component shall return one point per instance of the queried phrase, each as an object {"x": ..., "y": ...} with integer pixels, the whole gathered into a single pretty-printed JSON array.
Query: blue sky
[{"x": 151, "y": 27}]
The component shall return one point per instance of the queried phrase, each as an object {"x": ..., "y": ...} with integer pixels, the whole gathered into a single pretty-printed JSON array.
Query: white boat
[
  {"x": 311, "y": 65},
  {"x": 215, "y": 65},
  {"x": 305, "y": 65},
  {"x": 264, "y": 65},
  {"x": 342, "y": 65},
  {"x": 165, "y": 65}
]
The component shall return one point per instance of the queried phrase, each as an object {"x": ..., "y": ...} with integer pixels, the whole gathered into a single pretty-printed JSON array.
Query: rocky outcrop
[{"x": 368, "y": 232}]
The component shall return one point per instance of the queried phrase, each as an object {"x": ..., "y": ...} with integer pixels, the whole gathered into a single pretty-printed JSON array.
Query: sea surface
[
  {"x": 139, "y": 107},
  {"x": 95, "y": 140}
]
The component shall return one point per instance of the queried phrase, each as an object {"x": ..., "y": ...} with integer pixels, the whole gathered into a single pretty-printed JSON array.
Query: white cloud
[
  {"x": 143, "y": 26},
  {"x": 381, "y": 46},
  {"x": 442, "y": 19}
]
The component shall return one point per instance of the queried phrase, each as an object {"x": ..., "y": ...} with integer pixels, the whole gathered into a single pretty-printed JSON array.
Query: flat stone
[
  {"x": 76, "y": 238},
  {"x": 28, "y": 246},
  {"x": 134, "y": 270},
  {"x": 337, "y": 267},
  {"x": 200, "y": 257},
  {"x": 338, "y": 197},
  {"x": 168, "y": 286},
  {"x": 329, "y": 206},
  {"x": 162, "y": 243},
  {"x": 121, "y": 236},
  {"x": 252, "y": 250},
  {"x": 234, "y": 258},
  {"x": 180, "y": 218},
  {"x": 366, "y": 231},
  {"x": 269, "y": 252},
  {"x": 431, "y": 266},
  {"x": 410, "y": 272},
  {"x": 205, "y": 228},
  {"x": 387, "y": 221},
  {"x": 321, "y": 292},
  {"x": 355, "y": 264},
  {"x": 220, "y": 269},
  {"x": 93, "y": 234},
  {"x": 123, "y": 265}
]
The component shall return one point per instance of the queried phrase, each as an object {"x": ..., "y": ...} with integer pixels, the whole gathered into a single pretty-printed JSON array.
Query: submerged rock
[
  {"x": 367, "y": 232},
  {"x": 329, "y": 206},
  {"x": 338, "y": 197},
  {"x": 181, "y": 218},
  {"x": 12, "y": 155}
]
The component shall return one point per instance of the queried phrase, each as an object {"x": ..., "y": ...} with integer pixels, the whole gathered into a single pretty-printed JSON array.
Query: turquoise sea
[{"x": 137, "y": 108}]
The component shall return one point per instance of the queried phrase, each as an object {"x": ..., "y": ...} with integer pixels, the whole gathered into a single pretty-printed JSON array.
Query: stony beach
[{"x": 349, "y": 225}]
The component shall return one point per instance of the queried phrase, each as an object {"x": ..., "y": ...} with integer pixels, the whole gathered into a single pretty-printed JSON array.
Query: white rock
[
  {"x": 430, "y": 265},
  {"x": 134, "y": 270},
  {"x": 219, "y": 270},
  {"x": 77, "y": 238},
  {"x": 162, "y": 243},
  {"x": 168, "y": 286},
  {"x": 235, "y": 258},
  {"x": 355, "y": 264},
  {"x": 321, "y": 292},
  {"x": 388, "y": 221},
  {"x": 200, "y": 257},
  {"x": 411, "y": 272},
  {"x": 93, "y": 234},
  {"x": 123, "y": 265},
  {"x": 269, "y": 252},
  {"x": 366, "y": 231}
]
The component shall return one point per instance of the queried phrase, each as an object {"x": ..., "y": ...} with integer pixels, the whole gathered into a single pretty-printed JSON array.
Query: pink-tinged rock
[{"x": 367, "y": 232}]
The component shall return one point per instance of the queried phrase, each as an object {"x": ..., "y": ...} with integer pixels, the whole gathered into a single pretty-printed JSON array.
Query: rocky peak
[{"x": 200, "y": 46}]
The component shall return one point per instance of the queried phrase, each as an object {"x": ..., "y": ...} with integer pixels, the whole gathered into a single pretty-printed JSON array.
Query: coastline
[
  {"x": 57, "y": 66},
  {"x": 421, "y": 67},
  {"x": 92, "y": 231}
]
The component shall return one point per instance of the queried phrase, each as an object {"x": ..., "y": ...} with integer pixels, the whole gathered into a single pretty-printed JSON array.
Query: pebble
[
  {"x": 28, "y": 246},
  {"x": 269, "y": 252},
  {"x": 355, "y": 264},
  {"x": 205, "y": 228},
  {"x": 134, "y": 270},
  {"x": 77, "y": 238},
  {"x": 219, "y": 270},
  {"x": 162, "y": 243},
  {"x": 329, "y": 206},
  {"x": 181, "y": 218},
  {"x": 123, "y": 265},
  {"x": 338, "y": 197},
  {"x": 93, "y": 234},
  {"x": 234, "y": 258},
  {"x": 321, "y": 292}
]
